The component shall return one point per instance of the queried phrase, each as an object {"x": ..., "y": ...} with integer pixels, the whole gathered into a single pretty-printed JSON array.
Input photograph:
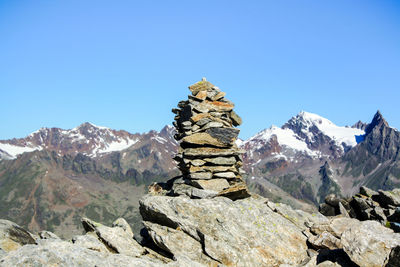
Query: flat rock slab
[
  {"x": 213, "y": 184},
  {"x": 115, "y": 238},
  {"x": 221, "y": 160},
  {"x": 234, "y": 192},
  {"x": 172, "y": 241},
  {"x": 216, "y": 106},
  {"x": 204, "y": 139},
  {"x": 236, "y": 233},
  {"x": 224, "y": 135},
  {"x": 211, "y": 152}
]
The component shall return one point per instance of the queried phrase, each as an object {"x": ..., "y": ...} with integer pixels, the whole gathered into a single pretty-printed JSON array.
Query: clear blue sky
[{"x": 125, "y": 64}]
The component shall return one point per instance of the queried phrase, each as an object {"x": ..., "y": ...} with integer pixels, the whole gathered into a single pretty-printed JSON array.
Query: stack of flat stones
[{"x": 208, "y": 156}]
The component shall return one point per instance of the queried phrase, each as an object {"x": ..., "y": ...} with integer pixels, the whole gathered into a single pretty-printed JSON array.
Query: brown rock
[
  {"x": 202, "y": 95},
  {"x": 200, "y": 86},
  {"x": 200, "y": 116},
  {"x": 207, "y": 106},
  {"x": 237, "y": 191},
  {"x": 155, "y": 189}
]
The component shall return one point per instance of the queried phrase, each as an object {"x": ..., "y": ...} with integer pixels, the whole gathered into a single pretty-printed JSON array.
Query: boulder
[
  {"x": 387, "y": 198},
  {"x": 115, "y": 238},
  {"x": 369, "y": 244},
  {"x": 172, "y": 240},
  {"x": 121, "y": 222},
  {"x": 368, "y": 192},
  {"x": 332, "y": 200},
  {"x": 327, "y": 209},
  {"x": 243, "y": 232},
  {"x": 12, "y": 236}
]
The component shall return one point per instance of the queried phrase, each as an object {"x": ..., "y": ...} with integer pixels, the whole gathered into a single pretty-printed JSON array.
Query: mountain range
[{"x": 52, "y": 177}]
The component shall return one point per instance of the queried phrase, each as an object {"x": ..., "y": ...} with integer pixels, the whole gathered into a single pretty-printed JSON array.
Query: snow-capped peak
[
  {"x": 306, "y": 123},
  {"x": 285, "y": 137},
  {"x": 87, "y": 138},
  {"x": 306, "y": 133}
]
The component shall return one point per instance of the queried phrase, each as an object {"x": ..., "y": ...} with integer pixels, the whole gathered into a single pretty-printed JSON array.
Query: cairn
[{"x": 208, "y": 157}]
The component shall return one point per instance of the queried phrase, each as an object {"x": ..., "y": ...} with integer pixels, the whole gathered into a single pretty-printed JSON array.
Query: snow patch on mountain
[
  {"x": 159, "y": 139},
  {"x": 13, "y": 151},
  {"x": 118, "y": 145}
]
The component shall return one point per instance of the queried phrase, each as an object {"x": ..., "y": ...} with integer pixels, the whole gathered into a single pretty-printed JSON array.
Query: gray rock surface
[
  {"x": 62, "y": 253},
  {"x": 121, "y": 222},
  {"x": 90, "y": 241},
  {"x": 2, "y": 253},
  {"x": 325, "y": 240},
  {"x": 115, "y": 238},
  {"x": 336, "y": 226},
  {"x": 241, "y": 232},
  {"x": 369, "y": 243},
  {"x": 172, "y": 241},
  {"x": 47, "y": 235}
]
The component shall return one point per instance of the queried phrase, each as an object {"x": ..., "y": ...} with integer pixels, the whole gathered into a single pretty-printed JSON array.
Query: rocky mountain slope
[{"x": 87, "y": 170}]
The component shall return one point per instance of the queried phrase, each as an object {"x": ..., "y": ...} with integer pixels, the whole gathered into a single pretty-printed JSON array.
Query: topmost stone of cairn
[{"x": 208, "y": 157}]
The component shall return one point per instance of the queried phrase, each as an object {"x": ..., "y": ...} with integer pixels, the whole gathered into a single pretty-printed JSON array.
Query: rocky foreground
[{"x": 180, "y": 231}]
